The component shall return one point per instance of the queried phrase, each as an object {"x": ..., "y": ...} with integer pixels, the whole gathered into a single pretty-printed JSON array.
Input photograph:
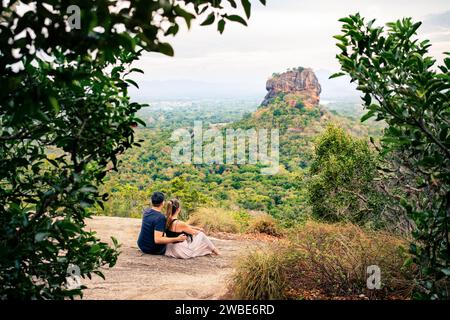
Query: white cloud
[{"x": 284, "y": 34}]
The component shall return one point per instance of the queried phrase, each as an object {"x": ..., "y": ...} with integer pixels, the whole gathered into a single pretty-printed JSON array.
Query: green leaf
[
  {"x": 209, "y": 20},
  {"x": 132, "y": 82},
  {"x": 40, "y": 236},
  {"x": 368, "y": 115},
  {"x": 342, "y": 47},
  {"x": 67, "y": 226},
  {"x": 447, "y": 62},
  {"x": 221, "y": 26},
  {"x": 166, "y": 49},
  {"x": 233, "y": 3},
  {"x": 236, "y": 18},
  {"x": 341, "y": 38},
  {"x": 115, "y": 242},
  {"x": 136, "y": 70},
  {"x": 336, "y": 75},
  {"x": 188, "y": 17},
  {"x": 367, "y": 99},
  {"x": 172, "y": 30},
  {"x": 247, "y": 7},
  {"x": 95, "y": 249},
  {"x": 140, "y": 121},
  {"x": 446, "y": 272},
  {"x": 414, "y": 29},
  {"x": 346, "y": 20},
  {"x": 100, "y": 274},
  {"x": 54, "y": 103},
  {"x": 408, "y": 262}
]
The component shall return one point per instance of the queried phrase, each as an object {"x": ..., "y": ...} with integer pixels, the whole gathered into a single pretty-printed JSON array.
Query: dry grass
[
  {"x": 216, "y": 220},
  {"x": 230, "y": 221},
  {"x": 333, "y": 259},
  {"x": 259, "y": 276},
  {"x": 264, "y": 224},
  {"x": 326, "y": 261}
]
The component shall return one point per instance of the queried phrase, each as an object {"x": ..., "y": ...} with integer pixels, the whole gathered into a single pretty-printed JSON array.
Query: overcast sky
[{"x": 284, "y": 34}]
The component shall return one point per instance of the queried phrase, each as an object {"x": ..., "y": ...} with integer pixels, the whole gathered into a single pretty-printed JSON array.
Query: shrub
[
  {"x": 341, "y": 185},
  {"x": 251, "y": 201},
  {"x": 334, "y": 259},
  {"x": 260, "y": 276},
  {"x": 216, "y": 220},
  {"x": 264, "y": 224}
]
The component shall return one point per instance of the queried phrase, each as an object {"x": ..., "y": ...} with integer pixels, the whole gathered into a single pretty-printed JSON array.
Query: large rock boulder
[{"x": 300, "y": 82}]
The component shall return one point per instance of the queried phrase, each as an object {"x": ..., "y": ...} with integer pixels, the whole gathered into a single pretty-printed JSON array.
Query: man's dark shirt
[{"x": 152, "y": 220}]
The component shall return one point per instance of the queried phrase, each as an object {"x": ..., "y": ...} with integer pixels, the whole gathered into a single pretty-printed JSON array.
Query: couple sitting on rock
[{"x": 166, "y": 235}]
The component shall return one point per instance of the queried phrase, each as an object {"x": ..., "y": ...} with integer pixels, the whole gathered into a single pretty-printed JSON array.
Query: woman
[{"x": 197, "y": 243}]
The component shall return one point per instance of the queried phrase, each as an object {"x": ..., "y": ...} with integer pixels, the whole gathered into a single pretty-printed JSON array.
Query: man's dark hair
[{"x": 157, "y": 198}]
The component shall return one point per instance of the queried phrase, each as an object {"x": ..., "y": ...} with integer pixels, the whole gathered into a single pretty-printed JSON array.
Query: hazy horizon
[{"x": 282, "y": 35}]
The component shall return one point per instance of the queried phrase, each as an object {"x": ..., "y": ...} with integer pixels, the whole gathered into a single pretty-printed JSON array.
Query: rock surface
[
  {"x": 142, "y": 276},
  {"x": 300, "y": 82}
]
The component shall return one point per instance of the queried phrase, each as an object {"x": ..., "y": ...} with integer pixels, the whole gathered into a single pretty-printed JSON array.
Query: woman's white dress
[{"x": 199, "y": 246}]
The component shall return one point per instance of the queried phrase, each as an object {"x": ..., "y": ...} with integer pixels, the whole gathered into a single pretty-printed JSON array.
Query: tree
[
  {"x": 65, "y": 116},
  {"x": 402, "y": 87},
  {"x": 341, "y": 185},
  {"x": 187, "y": 192}
]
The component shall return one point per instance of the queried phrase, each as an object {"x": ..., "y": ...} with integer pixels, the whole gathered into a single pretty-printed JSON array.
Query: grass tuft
[{"x": 259, "y": 276}]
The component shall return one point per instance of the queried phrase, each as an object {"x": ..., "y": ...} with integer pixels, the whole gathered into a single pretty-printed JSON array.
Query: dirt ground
[{"x": 140, "y": 276}]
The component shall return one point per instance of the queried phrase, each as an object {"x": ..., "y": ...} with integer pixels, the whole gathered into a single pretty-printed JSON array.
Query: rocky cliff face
[{"x": 299, "y": 83}]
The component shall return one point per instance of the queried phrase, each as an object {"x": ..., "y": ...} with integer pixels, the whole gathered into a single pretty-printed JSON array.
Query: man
[{"x": 151, "y": 239}]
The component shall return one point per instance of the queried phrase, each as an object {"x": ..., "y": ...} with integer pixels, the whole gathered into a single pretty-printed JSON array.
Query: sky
[{"x": 281, "y": 35}]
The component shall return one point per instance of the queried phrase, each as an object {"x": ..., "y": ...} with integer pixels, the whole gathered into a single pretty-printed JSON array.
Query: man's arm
[{"x": 161, "y": 239}]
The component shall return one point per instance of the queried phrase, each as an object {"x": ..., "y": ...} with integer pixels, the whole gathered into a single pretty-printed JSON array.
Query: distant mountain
[
  {"x": 191, "y": 90},
  {"x": 186, "y": 89}
]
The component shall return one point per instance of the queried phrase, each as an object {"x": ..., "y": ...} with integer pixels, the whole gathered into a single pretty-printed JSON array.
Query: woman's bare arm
[
  {"x": 197, "y": 228},
  {"x": 184, "y": 227}
]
